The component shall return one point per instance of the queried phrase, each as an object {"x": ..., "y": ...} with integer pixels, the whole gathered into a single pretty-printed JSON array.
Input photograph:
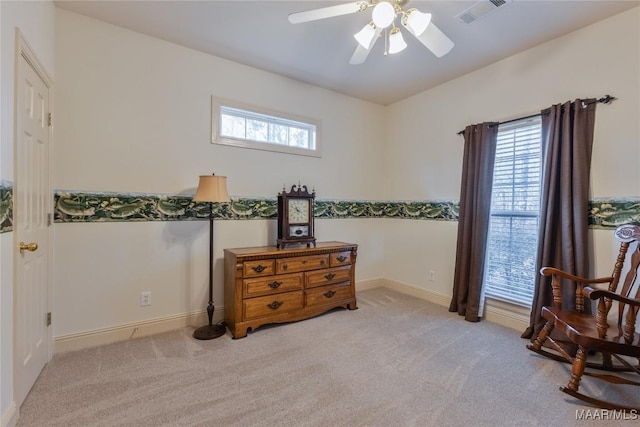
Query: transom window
[
  {"x": 253, "y": 127},
  {"x": 515, "y": 209}
]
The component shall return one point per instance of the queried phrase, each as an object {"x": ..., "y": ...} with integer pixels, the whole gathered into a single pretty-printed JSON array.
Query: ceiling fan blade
[
  {"x": 434, "y": 39},
  {"x": 360, "y": 54},
  {"x": 327, "y": 12}
]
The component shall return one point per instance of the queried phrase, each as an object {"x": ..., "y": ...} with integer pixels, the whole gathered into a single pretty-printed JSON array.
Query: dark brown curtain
[
  {"x": 473, "y": 223},
  {"x": 567, "y": 140}
]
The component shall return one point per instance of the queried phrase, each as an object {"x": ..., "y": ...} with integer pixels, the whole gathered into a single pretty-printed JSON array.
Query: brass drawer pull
[
  {"x": 321, "y": 262},
  {"x": 275, "y": 305},
  {"x": 275, "y": 285},
  {"x": 329, "y": 276},
  {"x": 342, "y": 258},
  {"x": 330, "y": 293},
  {"x": 259, "y": 268},
  {"x": 284, "y": 266}
]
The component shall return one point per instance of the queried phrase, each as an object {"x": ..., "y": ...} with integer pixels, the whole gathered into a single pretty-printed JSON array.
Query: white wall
[
  {"x": 426, "y": 154},
  {"x": 125, "y": 96},
  {"x": 133, "y": 114},
  {"x": 36, "y": 20}
]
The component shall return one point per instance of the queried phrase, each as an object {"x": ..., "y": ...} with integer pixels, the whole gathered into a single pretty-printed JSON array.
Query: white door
[{"x": 31, "y": 233}]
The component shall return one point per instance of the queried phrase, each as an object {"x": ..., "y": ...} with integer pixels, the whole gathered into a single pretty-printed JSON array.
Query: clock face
[{"x": 298, "y": 211}]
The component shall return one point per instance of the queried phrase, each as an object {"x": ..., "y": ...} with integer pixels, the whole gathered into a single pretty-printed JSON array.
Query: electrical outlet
[
  {"x": 432, "y": 275},
  {"x": 145, "y": 298}
]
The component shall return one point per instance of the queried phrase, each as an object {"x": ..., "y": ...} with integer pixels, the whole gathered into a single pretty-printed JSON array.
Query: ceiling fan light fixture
[
  {"x": 396, "y": 41},
  {"x": 383, "y": 14},
  {"x": 383, "y": 25},
  {"x": 417, "y": 21},
  {"x": 366, "y": 35}
]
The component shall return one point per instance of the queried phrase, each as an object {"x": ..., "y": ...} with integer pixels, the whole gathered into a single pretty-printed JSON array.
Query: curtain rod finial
[{"x": 607, "y": 99}]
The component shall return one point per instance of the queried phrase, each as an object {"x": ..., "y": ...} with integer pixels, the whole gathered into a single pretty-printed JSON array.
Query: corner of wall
[
  {"x": 10, "y": 416},
  {"x": 495, "y": 312}
]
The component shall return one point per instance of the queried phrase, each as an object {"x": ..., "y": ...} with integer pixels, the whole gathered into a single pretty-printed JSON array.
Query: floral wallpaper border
[
  {"x": 79, "y": 206},
  {"x": 86, "y": 207},
  {"x": 98, "y": 207},
  {"x": 6, "y": 206},
  {"x": 610, "y": 213}
]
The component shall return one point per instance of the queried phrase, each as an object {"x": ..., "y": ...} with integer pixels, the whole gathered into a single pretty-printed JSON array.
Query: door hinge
[
  {"x": 49, "y": 319},
  {"x": 50, "y": 120},
  {"x": 49, "y": 219}
]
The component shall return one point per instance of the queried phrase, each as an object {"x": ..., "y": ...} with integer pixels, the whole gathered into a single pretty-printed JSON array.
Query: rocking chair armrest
[
  {"x": 595, "y": 294},
  {"x": 551, "y": 271}
]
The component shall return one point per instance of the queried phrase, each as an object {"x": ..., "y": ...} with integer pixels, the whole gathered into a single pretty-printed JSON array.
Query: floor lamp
[{"x": 211, "y": 188}]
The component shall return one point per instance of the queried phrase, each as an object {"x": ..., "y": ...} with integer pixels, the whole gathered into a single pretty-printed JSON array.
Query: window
[
  {"x": 253, "y": 127},
  {"x": 515, "y": 209}
]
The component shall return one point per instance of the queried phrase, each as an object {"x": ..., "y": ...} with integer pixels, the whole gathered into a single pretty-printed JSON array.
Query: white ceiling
[{"x": 257, "y": 33}]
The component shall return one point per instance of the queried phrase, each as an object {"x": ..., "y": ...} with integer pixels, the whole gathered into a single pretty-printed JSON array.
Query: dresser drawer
[
  {"x": 272, "y": 285},
  {"x": 272, "y": 305},
  {"x": 269, "y": 284},
  {"x": 339, "y": 258},
  {"x": 303, "y": 263},
  {"x": 263, "y": 267},
  {"x": 328, "y": 276},
  {"x": 326, "y": 294}
]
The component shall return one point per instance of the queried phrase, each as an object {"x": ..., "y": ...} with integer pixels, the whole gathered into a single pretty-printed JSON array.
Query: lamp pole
[{"x": 211, "y": 331}]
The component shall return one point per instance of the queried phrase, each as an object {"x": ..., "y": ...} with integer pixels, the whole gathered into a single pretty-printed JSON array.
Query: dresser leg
[{"x": 238, "y": 333}]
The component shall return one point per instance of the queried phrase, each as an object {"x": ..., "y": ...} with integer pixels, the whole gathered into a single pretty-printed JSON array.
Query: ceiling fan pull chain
[{"x": 386, "y": 42}]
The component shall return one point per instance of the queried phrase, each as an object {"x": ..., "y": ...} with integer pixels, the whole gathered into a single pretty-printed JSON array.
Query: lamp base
[{"x": 209, "y": 332}]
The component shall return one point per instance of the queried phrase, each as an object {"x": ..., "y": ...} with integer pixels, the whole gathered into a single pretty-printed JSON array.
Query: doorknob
[{"x": 31, "y": 247}]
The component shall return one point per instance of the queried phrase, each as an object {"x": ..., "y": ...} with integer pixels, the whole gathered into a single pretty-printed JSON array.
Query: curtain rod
[{"x": 607, "y": 99}]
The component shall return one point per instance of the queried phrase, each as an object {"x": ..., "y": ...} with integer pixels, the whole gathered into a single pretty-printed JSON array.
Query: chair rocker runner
[{"x": 587, "y": 334}]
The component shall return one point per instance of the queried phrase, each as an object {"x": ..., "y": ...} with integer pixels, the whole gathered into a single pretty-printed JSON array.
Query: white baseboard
[
  {"x": 128, "y": 331},
  {"x": 369, "y": 284},
  {"x": 504, "y": 314},
  {"x": 96, "y": 337},
  {"x": 434, "y": 297},
  {"x": 495, "y": 312},
  {"x": 10, "y": 416}
]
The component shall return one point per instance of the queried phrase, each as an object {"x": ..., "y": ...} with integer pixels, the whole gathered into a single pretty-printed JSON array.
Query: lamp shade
[
  {"x": 366, "y": 35},
  {"x": 212, "y": 188},
  {"x": 418, "y": 21},
  {"x": 396, "y": 41}
]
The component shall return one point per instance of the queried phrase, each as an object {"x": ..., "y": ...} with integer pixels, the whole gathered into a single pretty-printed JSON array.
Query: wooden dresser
[{"x": 267, "y": 285}]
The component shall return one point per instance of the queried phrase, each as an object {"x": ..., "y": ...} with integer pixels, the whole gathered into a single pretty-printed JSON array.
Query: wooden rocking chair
[{"x": 589, "y": 334}]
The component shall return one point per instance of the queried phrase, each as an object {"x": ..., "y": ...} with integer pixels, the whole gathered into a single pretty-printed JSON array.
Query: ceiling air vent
[{"x": 479, "y": 10}]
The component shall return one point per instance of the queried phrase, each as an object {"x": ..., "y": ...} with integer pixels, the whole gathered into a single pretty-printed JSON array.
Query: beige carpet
[{"x": 396, "y": 361}]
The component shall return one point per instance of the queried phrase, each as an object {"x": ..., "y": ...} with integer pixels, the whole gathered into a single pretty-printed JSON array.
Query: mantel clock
[{"x": 295, "y": 216}]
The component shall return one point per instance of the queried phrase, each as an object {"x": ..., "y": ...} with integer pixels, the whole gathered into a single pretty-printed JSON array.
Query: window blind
[
  {"x": 515, "y": 206},
  {"x": 243, "y": 124}
]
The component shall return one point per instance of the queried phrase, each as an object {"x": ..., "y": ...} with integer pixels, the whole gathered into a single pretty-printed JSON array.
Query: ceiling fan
[{"x": 383, "y": 18}]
